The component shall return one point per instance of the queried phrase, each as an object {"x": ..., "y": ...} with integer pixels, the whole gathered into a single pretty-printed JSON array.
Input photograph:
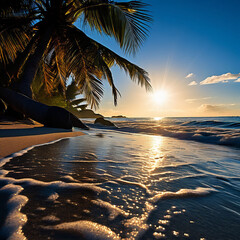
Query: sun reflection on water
[
  {"x": 158, "y": 118},
  {"x": 156, "y": 155}
]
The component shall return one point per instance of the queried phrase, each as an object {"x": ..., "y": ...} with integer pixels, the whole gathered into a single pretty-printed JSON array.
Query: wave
[
  {"x": 213, "y": 123},
  {"x": 221, "y": 131}
]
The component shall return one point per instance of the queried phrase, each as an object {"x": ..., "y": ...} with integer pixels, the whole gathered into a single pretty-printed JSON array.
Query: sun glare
[
  {"x": 158, "y": 118},
  {"x": 160, "y": 97}
]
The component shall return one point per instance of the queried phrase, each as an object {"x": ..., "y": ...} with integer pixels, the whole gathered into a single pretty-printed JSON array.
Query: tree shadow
[{"x": 18, "y": 132}]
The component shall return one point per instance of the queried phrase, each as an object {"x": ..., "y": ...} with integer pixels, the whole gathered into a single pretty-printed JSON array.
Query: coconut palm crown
[{"x": 42, "y": 34}]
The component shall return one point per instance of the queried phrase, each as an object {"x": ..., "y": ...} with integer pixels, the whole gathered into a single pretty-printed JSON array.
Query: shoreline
[{"x": 16, "y": 136}]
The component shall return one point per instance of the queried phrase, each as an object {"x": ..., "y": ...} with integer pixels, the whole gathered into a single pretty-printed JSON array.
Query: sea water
[{"x": 175, "y": 178}]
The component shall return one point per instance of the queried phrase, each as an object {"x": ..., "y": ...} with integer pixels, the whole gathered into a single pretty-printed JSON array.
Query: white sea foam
[
  {"x": 55, "y": 185},
  {"x": 53, "y": 197},
  {"x": 85, "y": 229},
  {"x": 141, "y": 185},
  {"x": 69, "y": 178},
  {"x": 138, "y": 224},
  {"x": 12, "y": 228},
  {"x": 51, "y": 219},
  {"x": 113, "y": 210},
  {"x": 182, "y": 193}
]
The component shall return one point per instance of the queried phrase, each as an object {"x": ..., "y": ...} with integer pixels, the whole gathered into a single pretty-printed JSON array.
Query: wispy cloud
[
  {"x": 192, "y": 100},
  {"x": 220, "y": 78},
  {"x": 189, "y": 75},
  {"x": 193, "y": 83}
]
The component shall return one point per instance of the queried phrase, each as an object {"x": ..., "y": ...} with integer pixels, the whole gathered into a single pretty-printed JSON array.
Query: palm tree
[{"x": 53, "y": 43}]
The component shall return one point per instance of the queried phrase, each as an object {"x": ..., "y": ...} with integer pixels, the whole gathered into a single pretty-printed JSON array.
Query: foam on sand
[
  {"x": 15, "y": 220},
  {"x": 182, "y": 193},
  {"x": 85, "y": 229},
  {"x": 112, "y": 209},
  {"x": 12, "y": 228},
  {"x": 140, "y": 185}
]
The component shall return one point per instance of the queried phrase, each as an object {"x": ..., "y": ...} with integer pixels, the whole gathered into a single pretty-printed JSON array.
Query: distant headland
[{"x": 119, "y": 116}]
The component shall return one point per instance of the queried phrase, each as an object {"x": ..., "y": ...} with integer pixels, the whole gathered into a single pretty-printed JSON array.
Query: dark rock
[
  {"x": 50, "y": 116},
  {"x": 103, "y": 122},
  {"x": 78, "y": 123},
  {"x": 13, "y": 114},
  {"x": 61, "y": 118},
  {"x": 57, "y": 117}
]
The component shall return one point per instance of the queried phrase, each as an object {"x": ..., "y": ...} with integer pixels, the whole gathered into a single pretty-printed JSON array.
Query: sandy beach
[{"x": 15, "y": 136}]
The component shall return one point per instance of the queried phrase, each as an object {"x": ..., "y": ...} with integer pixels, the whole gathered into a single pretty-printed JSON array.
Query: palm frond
[
  {"x": 79, "y": 59},
  {"x": 15, "y": 28},
  {"x": 11, "y": 43},
  {"x": 126, "y": 21},
  {"x": 93, "y": 91},
  {"x": 105, "y": 56},
  {"x": 107, "y": 74},
  {"x": 89, "y": 62},
  {"x": 49, "y": 77}
]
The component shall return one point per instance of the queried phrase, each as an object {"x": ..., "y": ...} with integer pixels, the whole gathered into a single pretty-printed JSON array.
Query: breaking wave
[{"x": 221, "y": 130}]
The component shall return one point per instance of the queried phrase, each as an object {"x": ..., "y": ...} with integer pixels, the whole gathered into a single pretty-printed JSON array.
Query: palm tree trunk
[{"x": 32, "y": 63}]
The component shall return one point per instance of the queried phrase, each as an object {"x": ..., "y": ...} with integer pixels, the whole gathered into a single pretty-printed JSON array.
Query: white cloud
[
  {"x": 220, "y": 108},
  {"x": 221, "y": 78},
  {"x": 193, "y": 83},
  {"x": 189, "y": 75},
  {"x": 211, "y": 108}
]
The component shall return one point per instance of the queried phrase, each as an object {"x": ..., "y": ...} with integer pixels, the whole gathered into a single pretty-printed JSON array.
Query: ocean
[{"x": 169, "y": 178}]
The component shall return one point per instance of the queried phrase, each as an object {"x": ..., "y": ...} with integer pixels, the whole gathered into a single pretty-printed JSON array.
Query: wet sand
[{"x": 16, "y": 136}]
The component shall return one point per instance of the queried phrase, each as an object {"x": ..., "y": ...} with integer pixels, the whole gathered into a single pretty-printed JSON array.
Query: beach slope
[{"x": 16, "y": 136}]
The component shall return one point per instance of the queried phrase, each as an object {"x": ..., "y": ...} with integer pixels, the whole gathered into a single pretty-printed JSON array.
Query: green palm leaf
[{"x": 126, "y": 21}]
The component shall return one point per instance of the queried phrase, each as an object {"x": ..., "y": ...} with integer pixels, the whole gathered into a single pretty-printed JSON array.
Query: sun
[{"x": 160, "y": 97}]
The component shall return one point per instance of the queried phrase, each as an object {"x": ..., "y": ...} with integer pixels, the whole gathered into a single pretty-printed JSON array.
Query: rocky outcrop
[
  {"x": 50, "y": 116},
  {"x": 104, "y": 122}
]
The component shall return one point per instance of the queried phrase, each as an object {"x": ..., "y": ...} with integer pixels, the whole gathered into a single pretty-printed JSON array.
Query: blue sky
[{"x": 186, "y": 36}]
